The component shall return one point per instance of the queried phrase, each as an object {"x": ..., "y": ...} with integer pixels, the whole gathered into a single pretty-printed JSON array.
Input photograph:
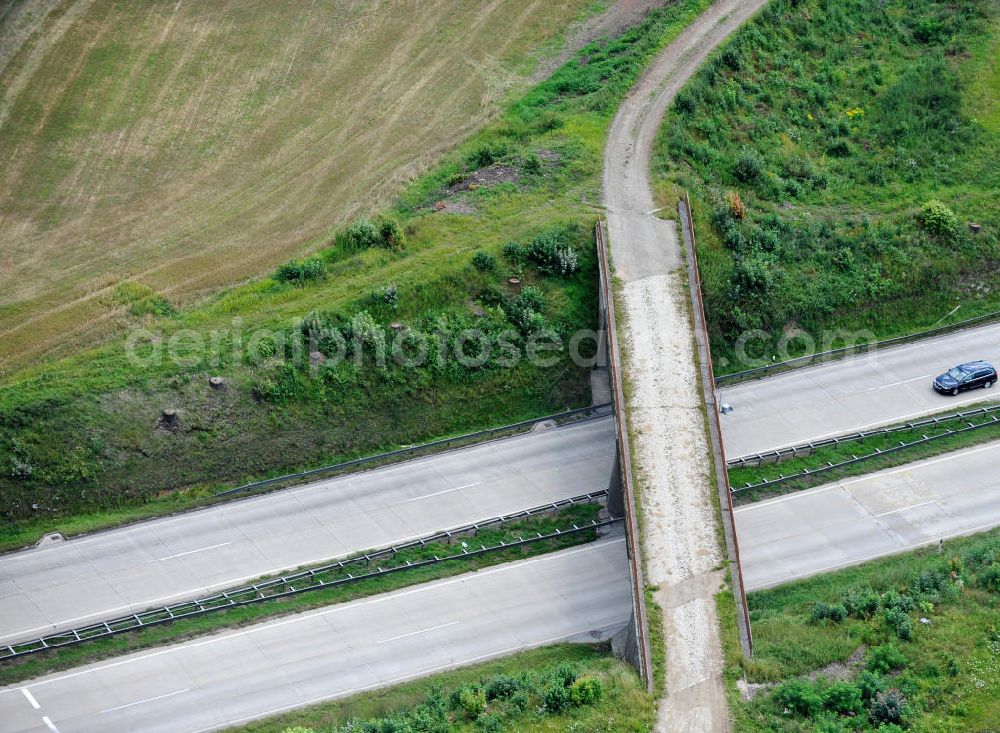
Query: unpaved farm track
[{"x": 665, "y": 413}]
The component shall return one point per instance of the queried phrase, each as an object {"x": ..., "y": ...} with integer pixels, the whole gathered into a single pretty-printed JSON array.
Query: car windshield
[{"x": 957, "y": 374}]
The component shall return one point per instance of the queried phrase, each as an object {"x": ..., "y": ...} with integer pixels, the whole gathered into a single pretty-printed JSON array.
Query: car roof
[{"x": 975, "y": 365}]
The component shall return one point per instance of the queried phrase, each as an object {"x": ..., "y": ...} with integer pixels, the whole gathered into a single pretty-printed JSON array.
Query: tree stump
[
  {"x": 975, "y": 228},
  {"x": 170, "y": 419},
  {"x": 217, "y": 383},
  {"x": 515, "y": 284}
]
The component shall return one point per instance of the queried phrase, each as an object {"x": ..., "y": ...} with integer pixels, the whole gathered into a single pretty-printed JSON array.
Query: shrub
[
  {"x": 885, "y": 658},
  {"x": 989, "y": 578},
  {"x": 897, "y": 601},
  {"x": 938, "y": 219},
  {"x": 502, "y": 687},
  {"x": 555, "y": 698},
  {"x": 513, "y": 252},
  {"x": 391, "y": 234},
  {"x": 835, "y": 613},
  {"x": 362, "y": 235},
  {"x": 870, "y": 684},
  {"x": 472, "y": 701},
  {"x": 800, "y": 697},
  {"x": 300, "y": 270},
  {"x": 551, "y": 253},
  {"x": 585, "y": 691},
  {"x": 862, "y": 602},
  {"x": 531, "y": 297},
  {"x": 737, "y": 209},
  {"x": 487, "y": 154},
  {"x": 887, "y": 707},
  {"x": 565, "y": 673},
  {"x": 749, "y": 166},
  {"x": 843, "y": 698},
  {"x": 484, "y": 261},
  {"x": 900, "y": 622}
]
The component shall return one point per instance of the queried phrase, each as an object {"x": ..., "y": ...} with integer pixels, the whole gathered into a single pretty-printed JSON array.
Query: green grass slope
[
  {"x": 81, "y": 443},
  {"x": 186, "y": 146},
  {"x": 904, "y": 643},
  {"x": 814, "y": 140}
]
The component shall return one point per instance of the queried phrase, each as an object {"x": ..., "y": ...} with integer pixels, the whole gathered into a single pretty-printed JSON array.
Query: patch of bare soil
[
  {"x": 842, "y": 670},
  {"x": 487, "y": 177}
]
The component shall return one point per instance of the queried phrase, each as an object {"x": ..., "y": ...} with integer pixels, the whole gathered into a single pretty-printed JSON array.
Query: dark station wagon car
[{"x": 966, "y": 376}]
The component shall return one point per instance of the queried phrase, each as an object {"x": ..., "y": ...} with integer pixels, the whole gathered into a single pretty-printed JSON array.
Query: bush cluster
[
  {"x": 551, "y": 252},
  {"x": 385, "y": 231},
  {"x": 493, "y": 704},
  {"x": 298, "y": 271}
]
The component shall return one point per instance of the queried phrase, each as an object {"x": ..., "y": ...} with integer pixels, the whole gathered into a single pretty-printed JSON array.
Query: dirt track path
[{"x": 680, "y": 535}]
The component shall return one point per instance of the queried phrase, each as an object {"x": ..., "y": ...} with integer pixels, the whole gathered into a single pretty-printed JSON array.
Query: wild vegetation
[
  {"x": 904, "y": 643},
  {"x": 841, "y": 152},
  {"x": 86, "y": 441},
  {"x": 570, "y": 688}
]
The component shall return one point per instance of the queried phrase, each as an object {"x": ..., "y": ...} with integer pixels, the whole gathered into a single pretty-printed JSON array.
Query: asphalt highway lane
[
  {"x": 887, "y": 386},
  {"x": 858, "y": 519},
  {"x": 228, "y": 678},
  {"x": 152, "y": 563}
]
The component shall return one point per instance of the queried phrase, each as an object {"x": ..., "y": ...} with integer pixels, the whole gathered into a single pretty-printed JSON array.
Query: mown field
[
  {"x": 562, "y": 689},
  {"x": 84, "y": 439},
  {"x": 838, "y": 151},
  {"x": 185, "y": 146},
  {"x": 904, "y": 643}
]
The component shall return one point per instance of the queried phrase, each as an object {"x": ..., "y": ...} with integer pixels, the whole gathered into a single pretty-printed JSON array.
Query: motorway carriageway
[
  {"x": 887, "y": 386},
  {"x": 580, "y": 594},
  {"x": 858, "y": 519},
  {"x": 148, "y": 564}
]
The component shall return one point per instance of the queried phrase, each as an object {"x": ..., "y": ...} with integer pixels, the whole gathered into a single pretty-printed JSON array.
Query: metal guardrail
[
  {"x": 601, "y": 410},
  {"x": 722, "y": 475},
  {"x": 312, "y": 579},
  {"x": 641, "y": 618},
  {"x": 755, "y": 460},
  {"x": 833, "y": 354},
  {"x": 767, "y": 483}
]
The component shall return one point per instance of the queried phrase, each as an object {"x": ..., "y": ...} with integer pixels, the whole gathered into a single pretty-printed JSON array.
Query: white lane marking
[
  {"x": 896, "y": 384},
  {"x": 416, "y": 633},
  {"x": 192, "y": 552},
  {"x": 148, "y": 699},
  {"x": 505, "y": 568},
  {"x": 486, "y": 446},
  {"x": 904, "y": 508},
  {"x": 446, "y": 491},
  {"x": 49, "y": 724},
  {"x": 31, "y": 698}
]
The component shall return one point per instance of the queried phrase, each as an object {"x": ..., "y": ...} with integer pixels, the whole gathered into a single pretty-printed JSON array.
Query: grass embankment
[
  {"x": 557, "y": 689},
  {"x": 821, "y": 457},
  {"x": 887, "y": 667},
  {"x": 83, "y": 439},
  {"x": 35, "y": 665},
  {"x": 836, "y": 151},
  {"x": 181, "y": 148}
]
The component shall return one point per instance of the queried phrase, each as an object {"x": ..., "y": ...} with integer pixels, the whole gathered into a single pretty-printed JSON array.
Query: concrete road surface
[
  {"x": 862, "y": 518},
  {"x": 890, "y": 385},
  {"x": 222, "y": 680},
  {"x": 121, "y": 571}
]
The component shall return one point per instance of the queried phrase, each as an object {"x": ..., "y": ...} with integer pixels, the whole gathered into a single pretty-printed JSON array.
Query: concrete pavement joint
[{"x": 148, "y": 699}]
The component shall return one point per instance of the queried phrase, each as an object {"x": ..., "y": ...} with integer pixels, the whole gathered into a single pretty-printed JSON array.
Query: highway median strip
[
  {"x": 805, "y": 466},
  {"x": 529, "y": 533}
]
